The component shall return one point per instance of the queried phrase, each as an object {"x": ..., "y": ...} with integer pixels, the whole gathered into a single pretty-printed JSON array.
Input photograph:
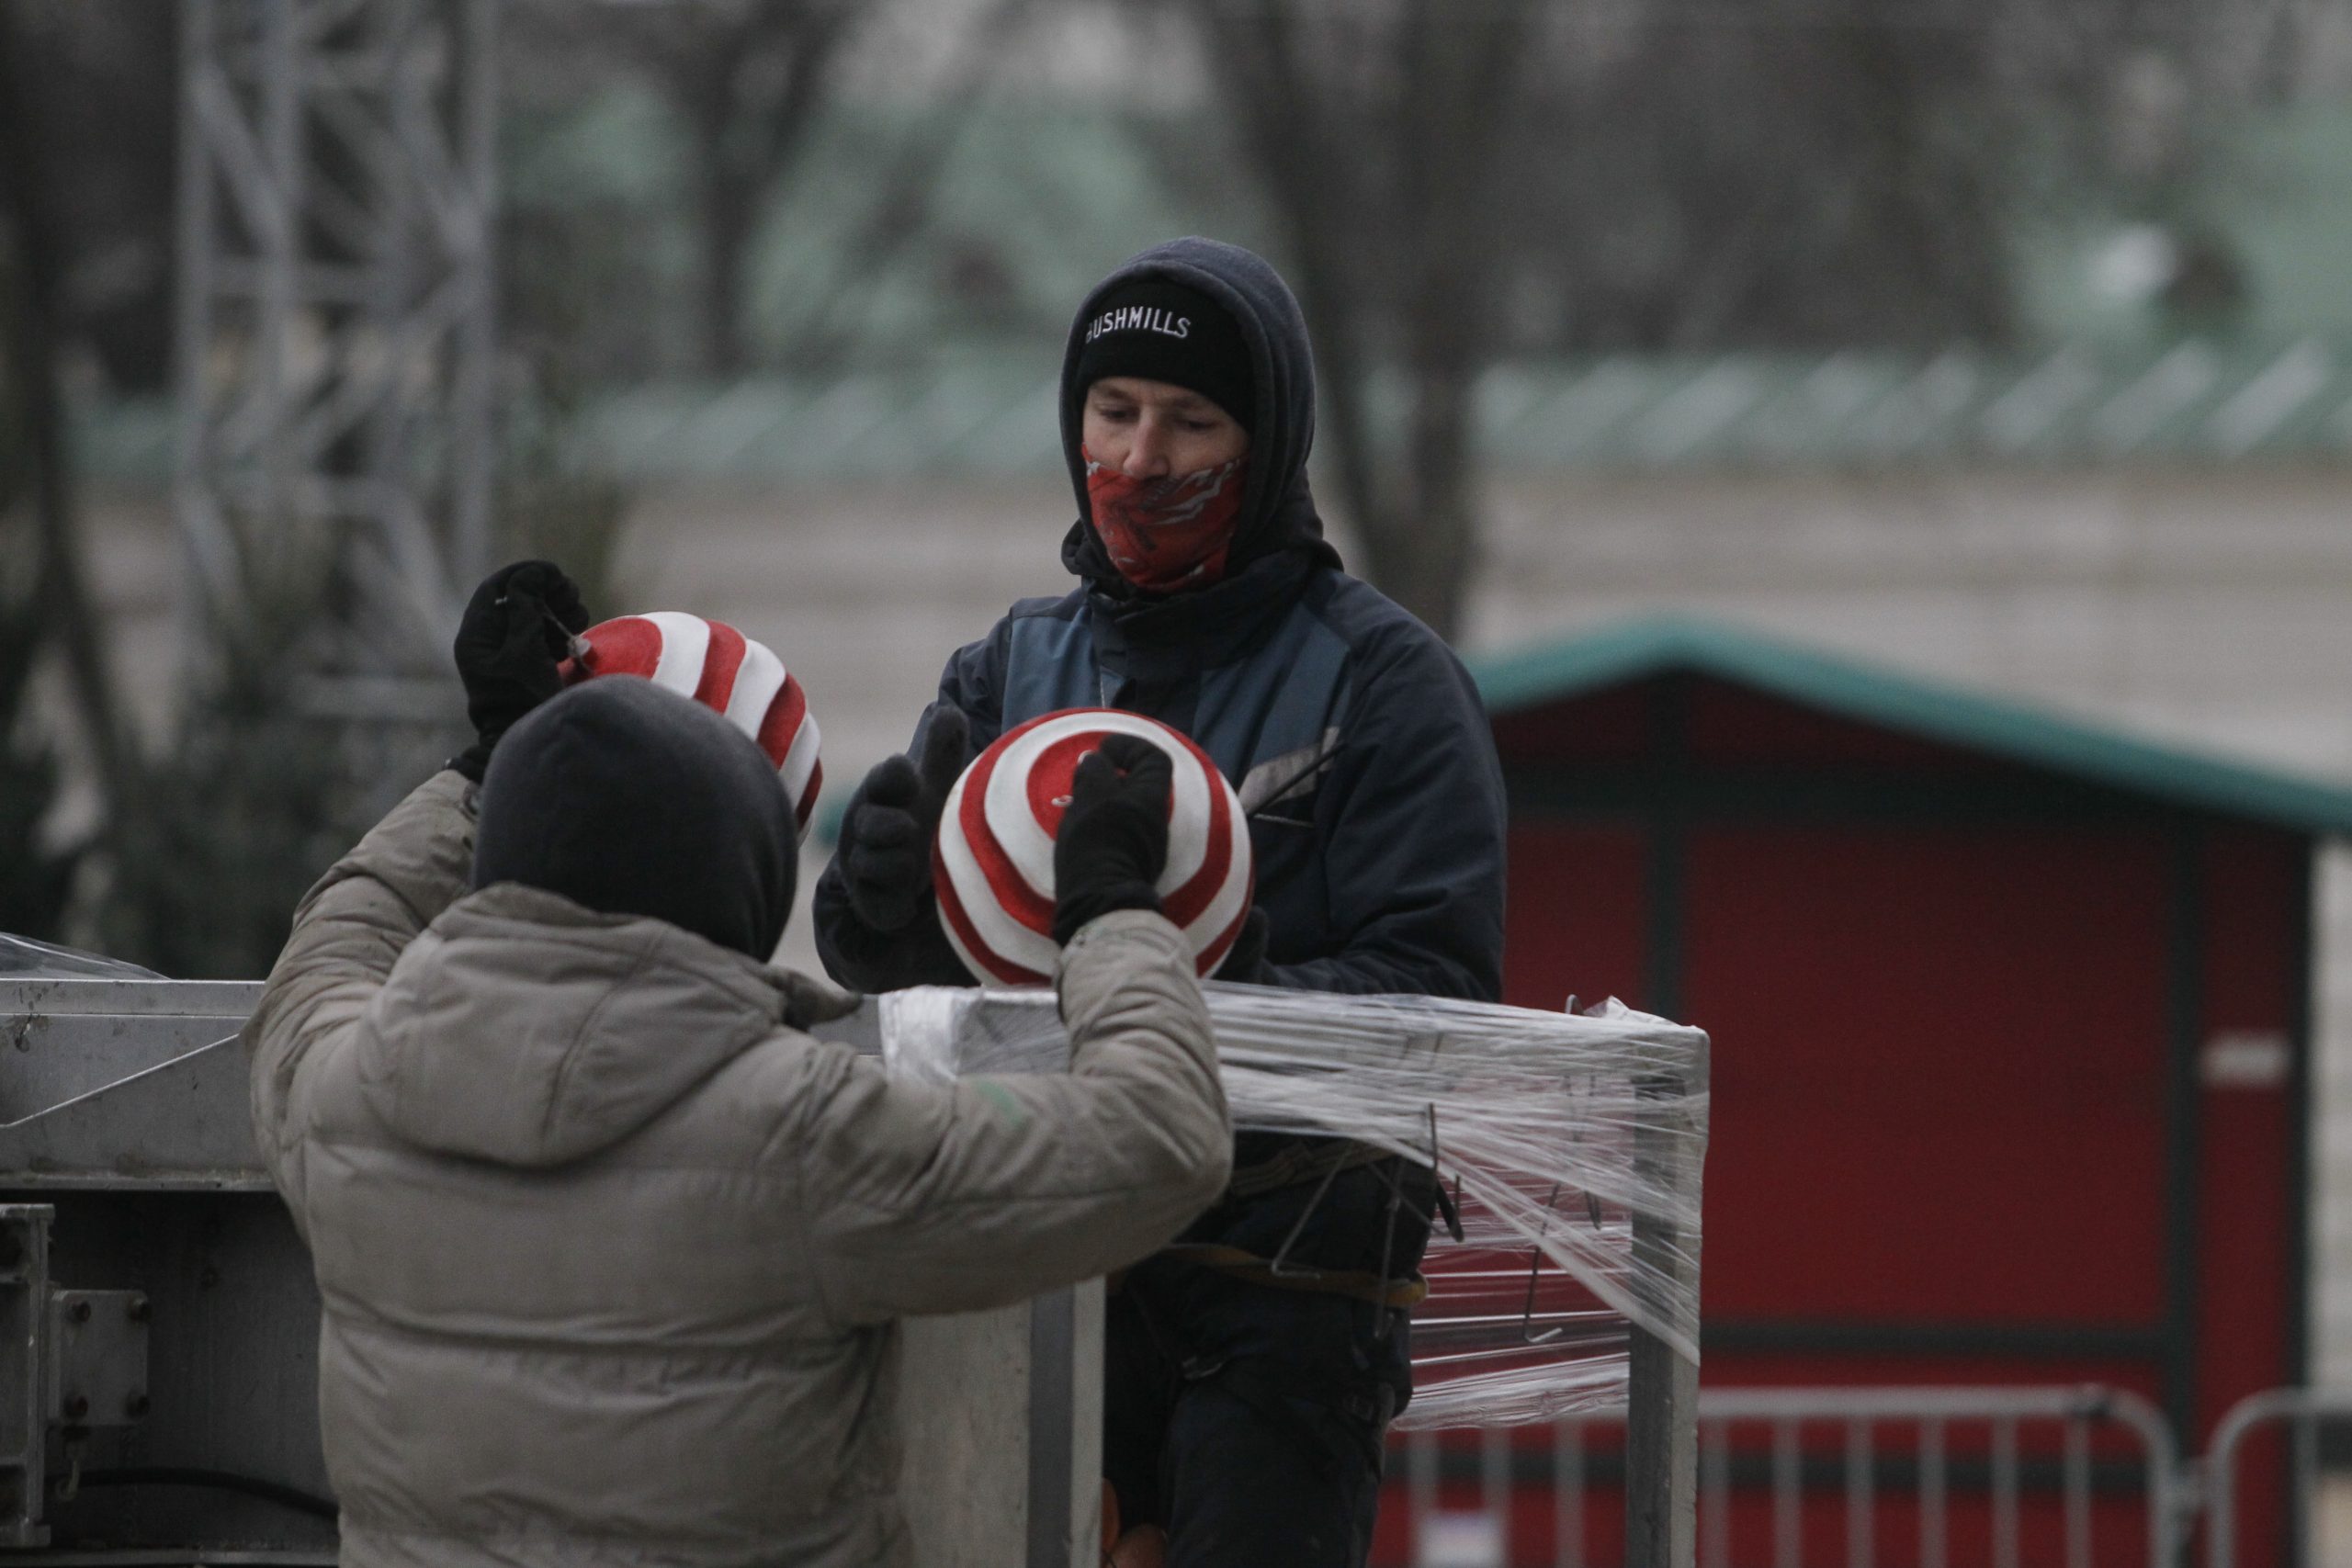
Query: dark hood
[
  {"x": 628, "y": 799},
  {"x": 1278, "y": 514}
]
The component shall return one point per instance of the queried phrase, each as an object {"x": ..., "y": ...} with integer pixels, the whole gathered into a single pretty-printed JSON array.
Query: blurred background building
[{"x": 2006, "y": 343}]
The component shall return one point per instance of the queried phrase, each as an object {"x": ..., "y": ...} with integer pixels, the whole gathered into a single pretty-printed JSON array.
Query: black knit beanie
[
  {"x": 633, "y": 800},
  {"x": 1161, "y": 330}
]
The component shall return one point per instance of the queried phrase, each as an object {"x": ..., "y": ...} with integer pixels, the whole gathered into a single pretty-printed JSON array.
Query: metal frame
[
  {"x": 1662, "y": 1389},
  {"x": 2299, "y": 1013},
  {"x": 2304, "y": 1408},
  {"x": 1848, "y": 1336},
  {"x": 1858, "y": 1472},
  {"x": 1932, "y": 1410},
  {"x": 2186, "y": 925},
  {"x": 1663, "y": 1398},
  {"x": 335, "y": 298},
  {"x": 1052, "y": 1379},
  {"x": 126, "y": 1085},
  {"x": 2300, "y": 1009},
  {"x": 24, "y": 1410}
]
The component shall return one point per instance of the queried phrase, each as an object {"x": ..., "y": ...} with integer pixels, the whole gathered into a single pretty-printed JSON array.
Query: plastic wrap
[
  {"x": 23, "y": 958},
  {"x": 1560, "y": 1135}
]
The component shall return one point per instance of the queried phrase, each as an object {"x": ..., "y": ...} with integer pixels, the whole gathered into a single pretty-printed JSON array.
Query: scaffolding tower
[{"x": 335, "y": 329}]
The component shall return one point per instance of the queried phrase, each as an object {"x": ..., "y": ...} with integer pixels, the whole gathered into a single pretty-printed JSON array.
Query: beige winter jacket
[{"x": 610, "y": 1251}]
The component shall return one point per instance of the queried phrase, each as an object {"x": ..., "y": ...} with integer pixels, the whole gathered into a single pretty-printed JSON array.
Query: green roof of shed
[{"x": 1931, "y": 710}]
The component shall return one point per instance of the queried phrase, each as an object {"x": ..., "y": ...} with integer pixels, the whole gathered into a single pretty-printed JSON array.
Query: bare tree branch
[
  {"x": 747, "y": 78},
  {"x": 900, "y": 199}
]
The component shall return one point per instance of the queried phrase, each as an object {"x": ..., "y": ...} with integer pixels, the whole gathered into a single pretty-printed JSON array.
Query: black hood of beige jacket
[{"x": 630, "y": 799}]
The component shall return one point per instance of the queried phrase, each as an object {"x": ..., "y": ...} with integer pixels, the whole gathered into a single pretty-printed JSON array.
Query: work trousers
[{"x": 1246, "y": 1420}]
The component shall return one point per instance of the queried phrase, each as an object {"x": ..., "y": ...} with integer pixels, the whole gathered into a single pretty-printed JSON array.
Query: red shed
[{"x": 2011, "y": 1014}]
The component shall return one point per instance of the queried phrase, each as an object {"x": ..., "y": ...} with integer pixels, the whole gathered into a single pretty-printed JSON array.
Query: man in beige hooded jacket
[{"x": 610, "y": 1249}]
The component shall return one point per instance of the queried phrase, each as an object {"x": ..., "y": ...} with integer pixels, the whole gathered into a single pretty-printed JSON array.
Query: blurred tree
[
  {"x": 253, "y": 799},
  {"x": 1378, "y": 131},
  {"x": 34, "y": 877},
  {"x": 900, "y": 202},
  {"x": 203, "y": 849},
  {"x": 202, "y": 852},
  {"x": 548, "y": 506},
  {"x": 1457, "y": 182},
  {"x": 107, "y": 101},
  {"x": 1845, "y": 175},
  {"x": 746, "y": 78},
  {"x": 44, "y": 599},
  {"x": 1819, "y": 175}
]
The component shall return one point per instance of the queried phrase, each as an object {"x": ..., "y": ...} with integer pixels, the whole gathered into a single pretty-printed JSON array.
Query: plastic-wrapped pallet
[{"x": 1571, "y": 1143}]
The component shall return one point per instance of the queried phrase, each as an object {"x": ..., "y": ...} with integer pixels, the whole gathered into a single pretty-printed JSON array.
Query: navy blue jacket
[
  {"x": 1353, "y": 734},
  {"x": 1361, "y": 756}
]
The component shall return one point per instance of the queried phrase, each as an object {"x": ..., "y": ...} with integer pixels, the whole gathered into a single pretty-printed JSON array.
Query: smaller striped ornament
[
  {"x": 725, "y": 671},
  {"x": 992, "y": 864}
]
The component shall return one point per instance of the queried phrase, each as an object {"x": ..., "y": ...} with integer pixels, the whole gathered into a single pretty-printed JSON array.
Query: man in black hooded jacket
[{"x": 1246, "y": 1403}]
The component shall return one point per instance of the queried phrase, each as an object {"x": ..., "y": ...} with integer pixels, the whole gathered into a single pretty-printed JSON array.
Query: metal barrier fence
[
  {"x": 2044, "y": 1475},
  {"x": 2302, "y": 1409}
]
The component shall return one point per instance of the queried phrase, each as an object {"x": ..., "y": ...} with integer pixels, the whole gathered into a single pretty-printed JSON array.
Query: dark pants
[{"x": 1246, "y": 1421}]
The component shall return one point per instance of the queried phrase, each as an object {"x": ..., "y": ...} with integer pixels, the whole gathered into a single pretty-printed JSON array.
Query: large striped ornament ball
[
  {"x": 993, "y": 862},
  {"x": 725, "y": 671}
]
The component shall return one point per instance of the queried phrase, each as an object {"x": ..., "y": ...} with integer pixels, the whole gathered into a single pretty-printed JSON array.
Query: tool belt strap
[
  {"x": 1303, "y": 1160},
  {"x": 1358, "y": 1284}
]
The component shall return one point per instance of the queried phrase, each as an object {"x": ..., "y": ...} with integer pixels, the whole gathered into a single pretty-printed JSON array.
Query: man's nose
[{"x": 1148, "y": 456}]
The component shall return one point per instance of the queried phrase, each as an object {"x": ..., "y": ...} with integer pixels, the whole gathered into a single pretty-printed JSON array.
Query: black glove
[
  {"x": 887, "y": 832},
  {"x": 514, "y": 634},
  {"x": 1246, "y": 959},
  {"x": 1114, "y": 839}
]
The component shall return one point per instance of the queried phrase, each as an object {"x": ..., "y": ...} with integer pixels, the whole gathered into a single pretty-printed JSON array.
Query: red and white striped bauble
[
  {"x": 993, "y": 862},
  {"x": 724, "y": 670}
]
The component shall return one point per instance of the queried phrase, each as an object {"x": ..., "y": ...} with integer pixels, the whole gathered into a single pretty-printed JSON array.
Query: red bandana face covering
[{"x": 1168, "y": 533}]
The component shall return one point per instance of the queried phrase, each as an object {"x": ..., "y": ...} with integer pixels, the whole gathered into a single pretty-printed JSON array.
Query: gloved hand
[
  {"x": 1246, "y": 959},
  {"x": 513, "y": 636},
  {"x": 887, "y": 828},
  {"x": 1114, "y": 839}
]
